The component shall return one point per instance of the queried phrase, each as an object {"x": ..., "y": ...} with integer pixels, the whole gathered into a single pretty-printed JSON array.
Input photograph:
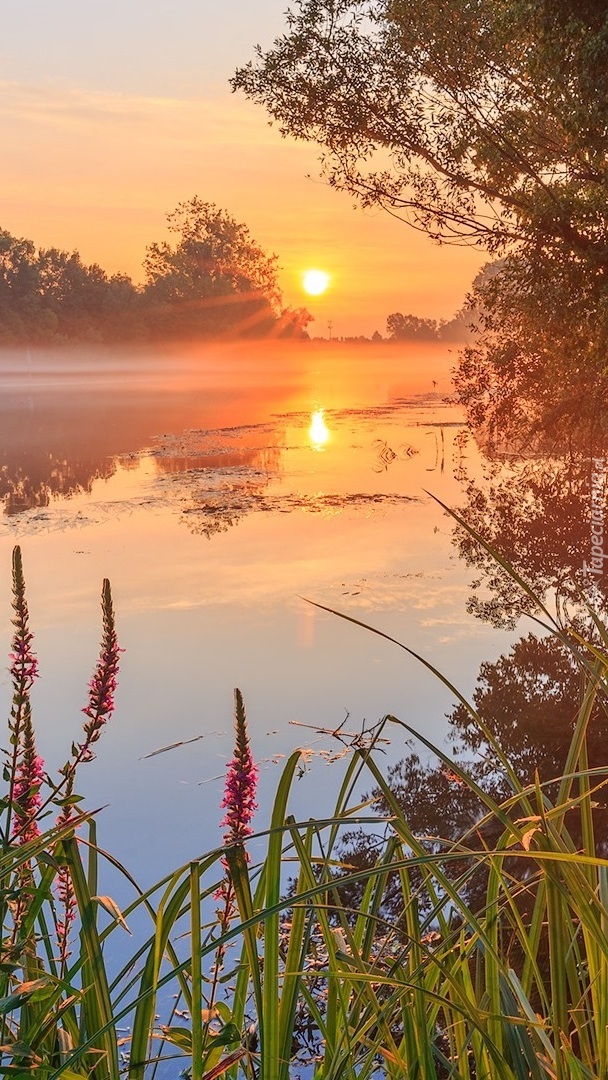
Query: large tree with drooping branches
[{"x": 482, "y": 122}]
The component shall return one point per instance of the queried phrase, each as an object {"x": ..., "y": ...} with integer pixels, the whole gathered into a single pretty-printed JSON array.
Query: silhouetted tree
[
  {"x": 481, "y": 123},
  {"x": 487, "y": 120},
  {"x": 19, "y": 287},
  {"x": 537, "y": 362},
  {"x": 215, "y": 278},
  {"x": 411, "y": 328}
]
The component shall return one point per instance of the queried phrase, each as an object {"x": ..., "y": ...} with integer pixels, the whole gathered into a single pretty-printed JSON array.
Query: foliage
[
  {"x": 525, "y": 703},
  {"x": 215, "y": 277},
  {"x": 412, "y": 328},
  {"x": 536, "y": 368},
  {"x": 49, "y": 1004},
  {"x": 482, "y": 123},
  {"x": 51, "y": 295},
  {"x": 215, "y": 280},
  {"x": 519, "y": 945},
  {"x": 483, "y": 120}
]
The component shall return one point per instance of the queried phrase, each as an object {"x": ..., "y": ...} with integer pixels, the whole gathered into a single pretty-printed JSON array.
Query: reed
[{"x": 270, "y": 973}]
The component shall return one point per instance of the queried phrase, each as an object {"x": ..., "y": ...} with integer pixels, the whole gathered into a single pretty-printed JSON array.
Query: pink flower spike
[
  {"x": 26, "y": 791},
  {"x": 26, "y": 767},
  {"x": 24, "y": 664},
  {"x": 102, "y": 687},
  {"x": 241, "y": 782},
  {"x": 67, "y": 899}
]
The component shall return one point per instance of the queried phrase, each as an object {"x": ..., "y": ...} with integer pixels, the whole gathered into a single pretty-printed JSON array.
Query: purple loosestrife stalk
[
  {"x": 26, "y": 768},
  {"x": 240, "y": 805},
  {"x": 66, "y": 900},
  {"x": 100, "y": 705},
  {"x": 64, "y": 889},
  {"x": 98, "y": 710},
  {"x": 241, "y": 781},
  {"x": 102, "y": 687},
  {"x": 26, "y": 790}
]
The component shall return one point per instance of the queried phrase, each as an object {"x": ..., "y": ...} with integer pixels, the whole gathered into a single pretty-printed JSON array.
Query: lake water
[{"x": 218, "y": 486}]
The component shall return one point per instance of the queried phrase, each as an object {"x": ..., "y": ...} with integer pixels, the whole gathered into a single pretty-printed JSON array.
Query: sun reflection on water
[{"x": 318, "y": 432}]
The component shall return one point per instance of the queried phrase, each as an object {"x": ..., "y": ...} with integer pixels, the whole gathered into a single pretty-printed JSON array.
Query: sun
[{"x": 315, "y": 282}]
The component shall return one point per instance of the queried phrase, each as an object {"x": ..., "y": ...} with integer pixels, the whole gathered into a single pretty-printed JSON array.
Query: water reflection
[
  {"x": 538, "y": 495},
  {"x": 527, "y": 702},
  {"x": 158, "y": 460},
  {"x": 161, "y": 457},
  {"x": 48, "y": 450},
  {"x": 156, "y": 442},
  {"x": 71, "y": 418},
  {"x": 219, "y": 441},
  {"x": 318, "y": 431},
  {"x": 536, "y": 513}
]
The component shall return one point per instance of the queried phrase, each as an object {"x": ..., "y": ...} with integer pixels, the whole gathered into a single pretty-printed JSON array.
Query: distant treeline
[
  {"x": 214, "y": 281},
  {"x": 410, "y": 328}
]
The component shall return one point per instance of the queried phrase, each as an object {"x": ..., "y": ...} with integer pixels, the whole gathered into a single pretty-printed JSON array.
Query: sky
[{"x": 113, "y": 113}]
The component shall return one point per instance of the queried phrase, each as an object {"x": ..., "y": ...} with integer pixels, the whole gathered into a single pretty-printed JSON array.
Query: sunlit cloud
[{"x": 227, "y": 119}]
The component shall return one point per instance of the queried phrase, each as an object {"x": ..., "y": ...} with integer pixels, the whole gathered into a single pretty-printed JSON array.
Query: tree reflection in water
[
  {"x": 42, "y": 457},
  {"x": 527, "y": 701},
  {"x": 536, "y": 514},
  {"x": 534, "y": 510}
]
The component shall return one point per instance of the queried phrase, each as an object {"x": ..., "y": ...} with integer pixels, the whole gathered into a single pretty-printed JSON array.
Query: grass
[{"x": 268, "y": 981}]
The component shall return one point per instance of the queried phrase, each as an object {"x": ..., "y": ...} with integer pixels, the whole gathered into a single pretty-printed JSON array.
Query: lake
[{"x": 221, "y": 488}]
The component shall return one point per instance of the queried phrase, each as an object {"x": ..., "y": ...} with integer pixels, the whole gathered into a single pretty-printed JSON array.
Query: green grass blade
[{"x": 97, "y": 1010}]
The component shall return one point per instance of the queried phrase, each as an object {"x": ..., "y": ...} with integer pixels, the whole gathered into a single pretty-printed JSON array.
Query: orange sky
[{"x": 93, "y": 156}]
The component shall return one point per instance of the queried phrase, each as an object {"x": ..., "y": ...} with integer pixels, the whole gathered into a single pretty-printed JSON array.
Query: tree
[
  {"x": 18, "y": 271},
  {"x": 478, "y": 121},
  {"x": 293, "y": 323},
  {"x": 482, "y": 122},
  {"x": 75, "y": 293},
  {"x": 537, "y": 365},
  {"x": 410, "y": 328},
  {"x": 49, "y": 295},
  {"x": 214, "y": 278},
  {"x": 19, "y": 286}
]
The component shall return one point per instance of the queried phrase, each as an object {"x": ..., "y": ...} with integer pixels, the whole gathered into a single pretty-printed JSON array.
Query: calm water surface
[{"x": 216, "y": 487}]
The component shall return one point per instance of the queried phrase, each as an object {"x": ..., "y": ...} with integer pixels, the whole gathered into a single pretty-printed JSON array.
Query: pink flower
[
  {"x": 102, "y": 687},
  {"x": 98, "y": 711},
  {"x": 241, "y": 782},
  {"x": 67, "y": 900},
  {"x": 26, "y": 789},
  {"x": 239, "y": 804},
  {"x": 24, "y": 664}
]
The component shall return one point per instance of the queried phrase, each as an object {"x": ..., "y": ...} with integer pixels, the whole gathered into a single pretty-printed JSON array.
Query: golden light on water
[
  {"x": 315, "y": 282},
  {"x": 318, "y": 431}
]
